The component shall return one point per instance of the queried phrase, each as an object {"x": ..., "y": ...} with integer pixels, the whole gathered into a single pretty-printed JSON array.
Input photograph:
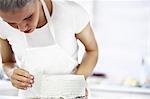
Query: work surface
[
  {"x": 15, "y": 97},
  {"x": 9, "y": 97}
]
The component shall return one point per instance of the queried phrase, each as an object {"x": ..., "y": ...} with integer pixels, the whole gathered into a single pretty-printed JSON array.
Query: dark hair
[{"x": 11, "y": 5}]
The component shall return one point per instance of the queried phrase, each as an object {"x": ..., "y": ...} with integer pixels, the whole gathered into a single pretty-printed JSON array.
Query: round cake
[{"x": 66, "y": 86}]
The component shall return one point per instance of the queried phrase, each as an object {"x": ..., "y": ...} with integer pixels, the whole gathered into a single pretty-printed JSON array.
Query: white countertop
[
  {"x": 117, "y": 88},
  {"x": 15, "y": 97},
  {"x": 9, "y": 97},
  {"x": 96, "y": 84}
]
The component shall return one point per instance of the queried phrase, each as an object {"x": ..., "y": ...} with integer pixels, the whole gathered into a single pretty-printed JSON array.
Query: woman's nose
[{"x": 22, "y": 27}]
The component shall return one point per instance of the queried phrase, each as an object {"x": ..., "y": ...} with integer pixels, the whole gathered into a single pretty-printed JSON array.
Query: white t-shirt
[{"x": 68, "y": 19}]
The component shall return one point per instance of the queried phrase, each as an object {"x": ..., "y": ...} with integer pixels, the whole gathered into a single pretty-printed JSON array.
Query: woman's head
[{"x": 20, "y": 14}]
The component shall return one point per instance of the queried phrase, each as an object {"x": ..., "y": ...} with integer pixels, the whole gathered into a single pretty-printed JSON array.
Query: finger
[
  {"x": 31, "y": 76},
  {"x": 21, "y": 84},
  {"x": 22, "y": 79},
  {"x": 22, "y": 73},
  {"x": 23, "y": 88}
]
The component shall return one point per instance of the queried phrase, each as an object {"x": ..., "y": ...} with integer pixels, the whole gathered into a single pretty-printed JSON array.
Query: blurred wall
[{"x": 122, "y": 30}]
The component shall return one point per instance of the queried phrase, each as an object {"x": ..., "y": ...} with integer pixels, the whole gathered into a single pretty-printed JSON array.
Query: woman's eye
[
  {"x": 12, "y": 24},
  {"x": 28, "y": 17}
]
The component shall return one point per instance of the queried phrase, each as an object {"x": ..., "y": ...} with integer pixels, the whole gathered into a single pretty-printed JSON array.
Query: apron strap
[
  {"x": 51, "y": 28},
  {"x": 49, "y": 19}
]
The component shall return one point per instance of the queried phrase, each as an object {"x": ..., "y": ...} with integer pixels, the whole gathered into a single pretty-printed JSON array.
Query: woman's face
[{"x": 24, "y": 19}]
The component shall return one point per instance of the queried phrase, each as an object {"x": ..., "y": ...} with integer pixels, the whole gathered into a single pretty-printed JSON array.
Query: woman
[{"x": 40, "y": 23}]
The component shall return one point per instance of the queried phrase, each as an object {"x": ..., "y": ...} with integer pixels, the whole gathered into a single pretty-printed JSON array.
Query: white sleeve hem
[
  {"x": 82, "y": 28},
  {"x": 2, "y": 36}
]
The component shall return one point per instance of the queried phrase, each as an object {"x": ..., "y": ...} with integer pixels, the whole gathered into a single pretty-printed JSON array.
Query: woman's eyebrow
[
  {"x": 27, "y": 17},
  {"x": 23, "y": 19}
]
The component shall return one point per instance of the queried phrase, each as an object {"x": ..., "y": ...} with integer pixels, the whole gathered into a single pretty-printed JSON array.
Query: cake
[{"x": 67, "y": 86}]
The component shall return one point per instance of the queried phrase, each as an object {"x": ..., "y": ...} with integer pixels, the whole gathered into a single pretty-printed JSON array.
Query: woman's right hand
[{"x": 22, "y": 79}]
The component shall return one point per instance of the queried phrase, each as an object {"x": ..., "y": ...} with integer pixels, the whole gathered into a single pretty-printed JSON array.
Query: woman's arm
[
  {"x": 91, "y": 51},
  {"x": 8, "y": 59},
  {"x": 19, "y": 77}
]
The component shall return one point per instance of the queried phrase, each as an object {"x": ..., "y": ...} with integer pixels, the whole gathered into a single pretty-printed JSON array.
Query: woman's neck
[{"x": 42, "y": 18}]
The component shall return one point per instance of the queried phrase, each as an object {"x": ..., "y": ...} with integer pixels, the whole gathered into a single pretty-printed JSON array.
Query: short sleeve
[
  {"x": 81, "y": 18},
  {"x": 2, "y": 35}
]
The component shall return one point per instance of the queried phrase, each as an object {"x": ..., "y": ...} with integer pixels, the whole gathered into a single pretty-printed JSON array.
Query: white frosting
[{"x": 67, "y": 86}]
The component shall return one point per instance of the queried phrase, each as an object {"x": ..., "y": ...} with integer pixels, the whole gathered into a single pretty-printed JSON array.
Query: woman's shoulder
[{"x": 70, "y": 5}]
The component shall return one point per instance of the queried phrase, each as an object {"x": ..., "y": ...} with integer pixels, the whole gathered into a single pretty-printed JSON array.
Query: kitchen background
[{"x": 122, "y": 30}]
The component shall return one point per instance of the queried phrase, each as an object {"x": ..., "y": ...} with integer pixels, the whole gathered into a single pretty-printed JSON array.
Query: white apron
[{"x": 50, "y": 60}]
